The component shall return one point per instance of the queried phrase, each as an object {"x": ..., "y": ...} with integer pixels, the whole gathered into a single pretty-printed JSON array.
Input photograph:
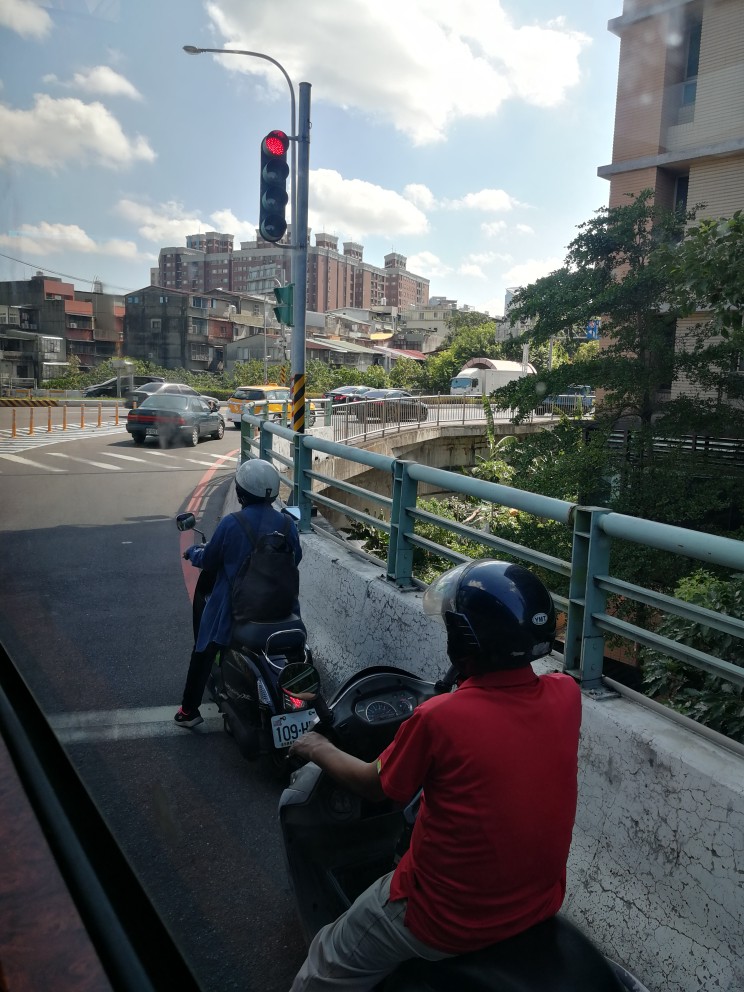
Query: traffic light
[
  {"x": 274, "y": 171},
  {"x": 285, "y": 299}
]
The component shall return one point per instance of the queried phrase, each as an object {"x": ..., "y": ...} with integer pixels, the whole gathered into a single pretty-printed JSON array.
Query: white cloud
[
  {"x": 420, "y": 195},
  {"x": 419, "y": 65},
  {"x": 26, "y": 18},
  {"x": 100, "y": 80},
  {"x": 493, "y": 228},
  {"x": 357, "y": 208},
  {"x": 427, "y": 264},
  {"x": 166, "y": 226},
  {"x": 53, "y": 239},
  {"x": 57, "y": 133},
  {"x": 527, "y": 272},
  {"x": 486, "y": 200},
  {"x": 226, "y": 222},
  {"x": 471, "y": 269},
  {"x": 524, "y": 229}
]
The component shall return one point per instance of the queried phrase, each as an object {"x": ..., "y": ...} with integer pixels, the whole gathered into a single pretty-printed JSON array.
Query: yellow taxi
[{"x": 255, "y": 399}]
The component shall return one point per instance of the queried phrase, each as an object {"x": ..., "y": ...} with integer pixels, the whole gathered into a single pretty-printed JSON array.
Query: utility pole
[{"x": 299, "y": 262}]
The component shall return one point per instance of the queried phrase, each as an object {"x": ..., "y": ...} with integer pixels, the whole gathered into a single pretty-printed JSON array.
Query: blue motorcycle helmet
[{"x": 498, "y": 616}]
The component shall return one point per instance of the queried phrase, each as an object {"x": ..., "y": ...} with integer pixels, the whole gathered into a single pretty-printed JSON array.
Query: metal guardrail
[{"x": 588, "y": 571}]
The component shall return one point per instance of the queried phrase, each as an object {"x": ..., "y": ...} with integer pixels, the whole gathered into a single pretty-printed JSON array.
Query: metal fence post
[
  {"x": 246, "y": 435},
  {"x": 302, "y": 463},
  {"x": 265, "y": 444},
  {"x": 584, "y": 644},
  {"x": 400, "y": 551}
]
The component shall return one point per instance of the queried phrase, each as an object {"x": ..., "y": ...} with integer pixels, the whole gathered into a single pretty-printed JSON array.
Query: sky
[{"x": 462, "y": 134}]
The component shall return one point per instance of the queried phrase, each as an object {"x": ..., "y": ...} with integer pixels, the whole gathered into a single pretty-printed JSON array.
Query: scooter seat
[
  {"x": 288, "y": 634},
  {"x": 553, "y": 956}
]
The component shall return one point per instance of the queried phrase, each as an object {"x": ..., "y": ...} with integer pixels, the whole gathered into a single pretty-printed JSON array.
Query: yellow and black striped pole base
[{"x": 298, "y": 403}]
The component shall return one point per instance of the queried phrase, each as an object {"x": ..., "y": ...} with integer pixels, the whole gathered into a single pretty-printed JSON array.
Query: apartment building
[
  {"x": 174, "y": 328},
  {"x": 335, "y": 278},
  {"x": 89, "y": 322},
  {"x": 679, "y": 121}
]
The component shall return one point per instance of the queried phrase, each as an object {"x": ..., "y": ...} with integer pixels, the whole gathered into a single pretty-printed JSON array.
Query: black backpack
[{"x": 268, "y": 582}]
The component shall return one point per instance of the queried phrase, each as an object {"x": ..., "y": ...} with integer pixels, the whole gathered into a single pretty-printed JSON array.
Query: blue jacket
[{"x": 224, "y": 555}]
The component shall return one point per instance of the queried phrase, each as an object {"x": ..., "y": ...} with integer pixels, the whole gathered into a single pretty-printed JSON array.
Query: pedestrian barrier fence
[{"x": 588, "y": 572}]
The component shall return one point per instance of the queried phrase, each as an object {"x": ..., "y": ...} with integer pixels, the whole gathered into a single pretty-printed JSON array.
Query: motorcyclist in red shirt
[{"x": 497, "y": 761}]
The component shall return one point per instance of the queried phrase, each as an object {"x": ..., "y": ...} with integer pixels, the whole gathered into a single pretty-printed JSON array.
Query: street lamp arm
[{"x": 194, "y": 50}]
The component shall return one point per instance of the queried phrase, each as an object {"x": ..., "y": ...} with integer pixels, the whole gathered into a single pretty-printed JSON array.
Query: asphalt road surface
[{"x": 96, "y": 614}]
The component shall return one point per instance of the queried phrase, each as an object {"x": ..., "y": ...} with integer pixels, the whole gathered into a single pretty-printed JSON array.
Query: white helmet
[{"x": 257, "y": 478}]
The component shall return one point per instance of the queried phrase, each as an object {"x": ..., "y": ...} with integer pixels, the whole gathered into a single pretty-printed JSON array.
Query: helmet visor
[{"x": 441, "y": 595}]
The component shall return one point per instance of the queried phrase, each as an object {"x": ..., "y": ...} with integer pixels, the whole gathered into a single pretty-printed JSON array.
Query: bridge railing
[{"x": 397, "y": 513}]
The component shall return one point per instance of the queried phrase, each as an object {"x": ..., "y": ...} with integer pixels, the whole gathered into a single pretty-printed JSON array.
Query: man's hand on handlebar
[{"x": 304, "y": 746}]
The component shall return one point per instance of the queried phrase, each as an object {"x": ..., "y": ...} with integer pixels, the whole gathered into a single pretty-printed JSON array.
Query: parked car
[
  {"x": 277, "y": 397},
  {"x": 347, "y": 394},
  {"x": 138, "y": 396},
  {"x": 575, "y": 399},
  {"x": 171, "y": 416},
  {"x": 109, "y": 387},
  {"x": 390, "y": 406}
]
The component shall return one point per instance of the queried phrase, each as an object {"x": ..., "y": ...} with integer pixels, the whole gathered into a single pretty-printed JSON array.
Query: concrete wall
[{"x": 656, "y": 873}]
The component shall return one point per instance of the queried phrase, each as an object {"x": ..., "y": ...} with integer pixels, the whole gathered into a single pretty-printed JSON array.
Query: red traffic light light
[{"x": 276, "y": 143}]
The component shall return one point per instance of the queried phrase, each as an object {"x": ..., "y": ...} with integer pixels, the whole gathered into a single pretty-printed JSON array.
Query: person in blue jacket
[{"x": 257, "y": 486}]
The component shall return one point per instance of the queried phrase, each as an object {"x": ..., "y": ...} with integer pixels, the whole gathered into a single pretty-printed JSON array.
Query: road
[{"x": 96, "y": 614}]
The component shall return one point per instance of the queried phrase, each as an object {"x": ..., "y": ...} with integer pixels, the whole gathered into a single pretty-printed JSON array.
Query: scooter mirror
[
  {"x": 185, "y": 521},
  {"x": 293, "y": 512},
  {"x": 301, "y": 680}
]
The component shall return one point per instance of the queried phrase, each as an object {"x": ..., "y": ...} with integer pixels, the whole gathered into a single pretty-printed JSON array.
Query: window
[
  {"x": 155, "y": 324},
  {"x": 689, "y": 86},
  {"x": 681, "y": 188},
  {"x": 163, "y": 299},
  {"x": 199, "y": 353}
]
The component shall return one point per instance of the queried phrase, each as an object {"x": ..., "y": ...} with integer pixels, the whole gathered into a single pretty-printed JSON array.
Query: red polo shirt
[{"x": 498, "y": 761}]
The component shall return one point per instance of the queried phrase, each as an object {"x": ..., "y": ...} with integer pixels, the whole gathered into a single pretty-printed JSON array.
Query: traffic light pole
[{"x": 299, "y": 266}]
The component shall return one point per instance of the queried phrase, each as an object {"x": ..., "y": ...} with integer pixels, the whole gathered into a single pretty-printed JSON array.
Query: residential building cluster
[{"x": 679, "y": 130}]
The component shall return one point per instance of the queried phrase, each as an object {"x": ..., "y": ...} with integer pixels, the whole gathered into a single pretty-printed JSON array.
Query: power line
[{"x": 66, "y": 275}]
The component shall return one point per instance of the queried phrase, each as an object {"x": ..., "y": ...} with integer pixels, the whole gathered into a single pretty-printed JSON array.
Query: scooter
[
  {"x": 336, "y": 844},
  {"x": 244, "y": 678}
]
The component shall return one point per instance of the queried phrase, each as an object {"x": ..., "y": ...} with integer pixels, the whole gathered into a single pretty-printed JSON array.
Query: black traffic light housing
[{"x": 272, "y": 222}]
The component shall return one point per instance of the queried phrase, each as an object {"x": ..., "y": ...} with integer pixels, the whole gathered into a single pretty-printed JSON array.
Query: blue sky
[{"x": 464, "y": 135}]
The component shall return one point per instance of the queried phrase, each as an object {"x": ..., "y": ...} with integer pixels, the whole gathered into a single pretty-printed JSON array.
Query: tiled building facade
[
  {"x": 679, "y": 122},
  {"x": 334, "y": 278}
]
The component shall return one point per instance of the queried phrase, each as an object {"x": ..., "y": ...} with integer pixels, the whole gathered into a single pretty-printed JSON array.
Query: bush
[{"x": 711, "y": 700}]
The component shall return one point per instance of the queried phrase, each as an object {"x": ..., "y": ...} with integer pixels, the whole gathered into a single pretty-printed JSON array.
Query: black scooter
[
  {"x": 244, "y": 683},
  {"x": 336, "y": 844}
]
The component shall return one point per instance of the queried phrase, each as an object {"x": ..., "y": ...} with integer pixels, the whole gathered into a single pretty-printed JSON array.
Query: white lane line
[
  {"x": 127, "y": 725},
  {"x": 193, "y": 461},
  {"x": 162, "y": 454},
  {"x": 85, "y": 461},
  {"x": 27, "y": 461},
  {"x": 126, "y": 458}
]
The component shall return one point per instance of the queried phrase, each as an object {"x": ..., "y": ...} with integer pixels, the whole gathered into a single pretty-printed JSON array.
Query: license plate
[
  {"x": 153, "y": 431},
  {"x": 289, "y": 726}
]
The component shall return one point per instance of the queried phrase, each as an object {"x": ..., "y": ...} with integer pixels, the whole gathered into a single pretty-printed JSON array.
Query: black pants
[{"x": 198, "y": 673}]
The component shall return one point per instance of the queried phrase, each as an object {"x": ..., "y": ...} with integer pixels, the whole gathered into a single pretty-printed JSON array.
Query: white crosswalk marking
[
  {"x": 85, "y": 461},
  {"x": 27, "y": 461},
  {"x": 111, "y": 725},
  {"x": 126, "y": 458}
]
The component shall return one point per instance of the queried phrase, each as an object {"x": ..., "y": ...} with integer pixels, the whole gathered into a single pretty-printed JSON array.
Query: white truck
[{"x": 482, "y": 379}]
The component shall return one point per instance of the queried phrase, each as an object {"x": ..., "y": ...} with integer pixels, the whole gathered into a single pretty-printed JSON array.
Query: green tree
[
  {"x": 617, "y": 267},
  {"x": 407, "y": 373}
]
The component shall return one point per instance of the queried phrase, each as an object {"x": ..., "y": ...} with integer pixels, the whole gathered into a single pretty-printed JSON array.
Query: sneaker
[{"x": 184, "y": 719}]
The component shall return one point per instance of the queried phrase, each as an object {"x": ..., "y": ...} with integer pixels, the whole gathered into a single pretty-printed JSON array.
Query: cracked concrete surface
[{"x": 656, "y": 874}]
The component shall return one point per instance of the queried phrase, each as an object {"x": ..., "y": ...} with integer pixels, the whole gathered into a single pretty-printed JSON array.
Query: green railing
[{"x": 588, "y": 572}]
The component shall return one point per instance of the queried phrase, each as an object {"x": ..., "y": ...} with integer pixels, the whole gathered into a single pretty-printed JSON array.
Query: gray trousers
[{"x": 362, "y": 946}]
